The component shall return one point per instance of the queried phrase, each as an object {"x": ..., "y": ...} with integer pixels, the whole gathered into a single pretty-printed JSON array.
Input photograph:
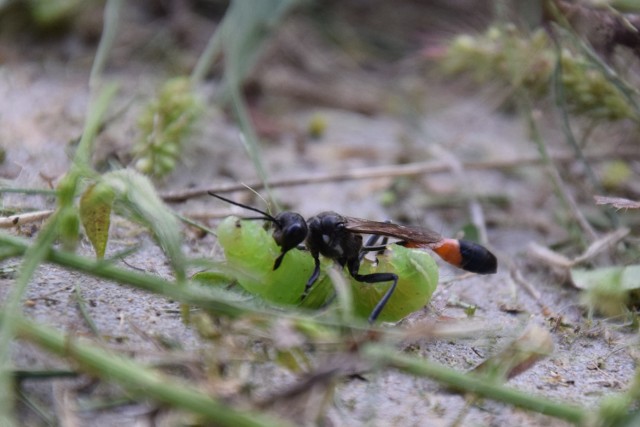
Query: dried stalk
[{"x": 409, "y": 169}]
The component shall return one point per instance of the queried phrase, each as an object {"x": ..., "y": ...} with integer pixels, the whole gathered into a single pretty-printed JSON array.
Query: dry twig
[
  {"x": 25, "y": 218},
  {"x": 617, "y": 202},
  {"x": 409, "y": 169}
]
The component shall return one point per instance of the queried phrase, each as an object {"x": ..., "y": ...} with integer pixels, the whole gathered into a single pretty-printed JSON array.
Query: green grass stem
[
  {"x": 142, "y": 382},
  {"x": 109, "y": 32},
  {"x": 474, "y": 384}
]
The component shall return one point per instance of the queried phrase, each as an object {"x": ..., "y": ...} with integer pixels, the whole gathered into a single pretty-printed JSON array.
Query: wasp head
[{"x": 290, "y": 231}]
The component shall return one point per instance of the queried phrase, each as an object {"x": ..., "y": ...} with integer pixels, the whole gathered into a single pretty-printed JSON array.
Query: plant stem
[
  {"x": 109, "y": 33},
  {"x": 208, "y": 57},
  {"x": 84, "y": 312},
  {"x": 139, "y": 280},
  {"x": 474, "y": 384},
  {"x": 33, "y": 256},
  {"x": 561, "y": 190},
  {"x": 97, "y": 110},
  {"x": 46, "y": 375},
  {"x": 142, "y": 382},
  {"x": 29, "y": 191},
  {"x": 206, "y": 298}
]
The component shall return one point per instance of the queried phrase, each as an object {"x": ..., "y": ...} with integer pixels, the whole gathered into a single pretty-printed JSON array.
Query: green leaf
[
  {"x": 95, "y": 214},
  {"x": 135, "y": 194},
  {"x": 609, "y": 290}
]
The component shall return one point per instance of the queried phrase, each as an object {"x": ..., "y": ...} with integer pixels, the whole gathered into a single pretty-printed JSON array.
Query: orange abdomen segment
[
  {"x": 467, "y": 255},
  {"x": 449, "y": 250}
]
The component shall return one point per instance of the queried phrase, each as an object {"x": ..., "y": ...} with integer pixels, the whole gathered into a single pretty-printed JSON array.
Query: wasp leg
[
  {"x": 313, "y": 278},
  {"x": 372, "y": 241},
  {"x": 354, "y": 266},
  {"x": 370, "y": 246},
  {"x": 330, "y": 301}
]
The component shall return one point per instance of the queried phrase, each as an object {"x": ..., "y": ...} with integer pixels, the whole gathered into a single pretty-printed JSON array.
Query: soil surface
[{"x": 416, "y": 117}]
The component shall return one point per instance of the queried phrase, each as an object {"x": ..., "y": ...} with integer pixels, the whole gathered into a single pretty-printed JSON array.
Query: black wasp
[{"x": 339, "y": 238}]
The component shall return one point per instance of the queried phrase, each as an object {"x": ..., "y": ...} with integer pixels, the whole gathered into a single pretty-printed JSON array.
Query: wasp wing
[
  {"x": 461, "y": 253},
  {"x": 408, "y": 233}
]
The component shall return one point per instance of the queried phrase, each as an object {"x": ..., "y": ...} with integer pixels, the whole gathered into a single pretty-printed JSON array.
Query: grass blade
[
  {"x": 139, "y": 380},
  {"x": 477, "y": 385}
]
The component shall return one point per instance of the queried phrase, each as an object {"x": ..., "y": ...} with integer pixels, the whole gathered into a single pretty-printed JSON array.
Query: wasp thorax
[{"x": 328, "y": 236}]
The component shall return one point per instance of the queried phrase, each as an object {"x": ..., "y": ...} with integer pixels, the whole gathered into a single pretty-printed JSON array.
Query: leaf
[
  {"x": 95, "y": 214},
  {"x": 135, "y": 194},
  {"x": 610, "y": 290}
]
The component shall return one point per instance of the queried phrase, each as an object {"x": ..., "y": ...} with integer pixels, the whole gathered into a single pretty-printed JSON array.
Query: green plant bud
[
  {"x": 166, "y": 122},
  {"x": 69, "y": 229}
]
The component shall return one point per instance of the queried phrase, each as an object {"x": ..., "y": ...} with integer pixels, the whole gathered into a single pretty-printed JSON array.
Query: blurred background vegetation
[{"x": 559, "y": 68}]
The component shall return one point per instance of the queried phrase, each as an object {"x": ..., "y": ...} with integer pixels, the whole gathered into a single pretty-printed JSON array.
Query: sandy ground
[{"x": 43, "y": 110}]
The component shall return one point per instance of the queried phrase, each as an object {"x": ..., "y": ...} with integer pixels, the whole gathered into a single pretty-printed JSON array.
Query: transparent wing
[{"x": 411, "y": 234}]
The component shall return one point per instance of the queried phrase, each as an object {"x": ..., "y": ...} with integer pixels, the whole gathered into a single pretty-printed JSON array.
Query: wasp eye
[{"x": 296, "y": 229}]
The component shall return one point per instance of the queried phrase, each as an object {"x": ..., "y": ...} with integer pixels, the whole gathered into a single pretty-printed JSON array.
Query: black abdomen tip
[{"x": 477, "y": 259}]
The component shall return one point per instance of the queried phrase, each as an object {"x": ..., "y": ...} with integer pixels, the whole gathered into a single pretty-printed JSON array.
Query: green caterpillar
[{"x": 250, "y": 251}]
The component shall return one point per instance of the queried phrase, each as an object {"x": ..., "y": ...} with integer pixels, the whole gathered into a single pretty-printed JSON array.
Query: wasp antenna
[
  {"x": 256, "y": 218},
  {"x": 251, "y": 208}
]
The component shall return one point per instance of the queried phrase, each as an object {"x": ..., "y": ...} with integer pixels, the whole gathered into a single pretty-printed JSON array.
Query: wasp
[{"x": 340, "y": 238}]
